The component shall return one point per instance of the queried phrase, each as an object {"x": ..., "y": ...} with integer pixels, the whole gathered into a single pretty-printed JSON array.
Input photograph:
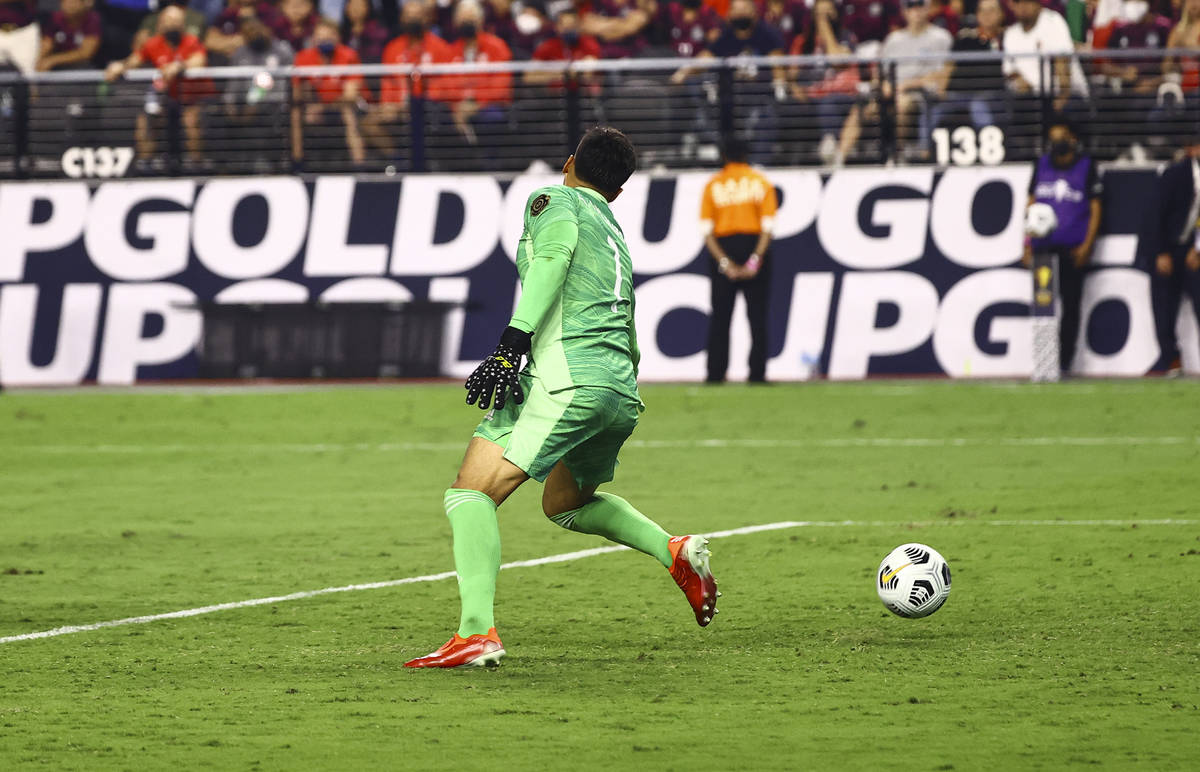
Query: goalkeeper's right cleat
[
  {"x": 472, "y": 651},
  {"x": 691, "y": 572}
]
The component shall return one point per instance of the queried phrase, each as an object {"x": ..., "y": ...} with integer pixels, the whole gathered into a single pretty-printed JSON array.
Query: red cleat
[
  {"x": 472, "y": 651},
  {"x": 691, "y": 572}
]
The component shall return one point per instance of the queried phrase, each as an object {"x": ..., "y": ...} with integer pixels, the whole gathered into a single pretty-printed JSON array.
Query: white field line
[
  {"x": 408, "y": 447},
  {"x": 564, "y": 558}
]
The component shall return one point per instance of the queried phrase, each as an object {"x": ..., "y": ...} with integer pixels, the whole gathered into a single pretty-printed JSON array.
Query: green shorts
[{"x": 583, "y": 427}]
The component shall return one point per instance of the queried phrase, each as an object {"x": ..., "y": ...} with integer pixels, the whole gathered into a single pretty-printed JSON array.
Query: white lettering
[
  {"x": 1140, "y": 347},
  {"x": 856, "y": 338},
  {"x": 76, "y": 334},
  {"x": 328, "y": 253},
  {"x": 950, "y": 217},
  {"x": 19, "y": 236},
  {"x": 213, "y": 226},
  {"x": 167, "y": 232},
  {"x": 655, "y": 299},
  {"x": 905, "y": 220},
  {"x": 414, "y": 252},
  {"x": 124, "y": 347},
  {"x": 807, "y": 324},
  {"x": 954, "y": 342}
]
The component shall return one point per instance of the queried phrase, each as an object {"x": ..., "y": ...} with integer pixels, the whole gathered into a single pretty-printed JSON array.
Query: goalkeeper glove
[{"x": 500, "y": 372}]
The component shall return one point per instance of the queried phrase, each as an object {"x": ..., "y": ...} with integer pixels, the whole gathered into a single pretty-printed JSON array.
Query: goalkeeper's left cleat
[
  {"x": 691, "y": 572},
  {"x": 472, "y": 651}
]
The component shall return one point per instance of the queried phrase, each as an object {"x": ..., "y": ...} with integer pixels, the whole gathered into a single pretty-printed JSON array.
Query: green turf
[{"x": 1061, "y": 645}]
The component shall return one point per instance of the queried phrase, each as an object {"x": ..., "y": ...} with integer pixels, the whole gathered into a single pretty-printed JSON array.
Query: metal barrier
[{"x": 792, "y": 110}]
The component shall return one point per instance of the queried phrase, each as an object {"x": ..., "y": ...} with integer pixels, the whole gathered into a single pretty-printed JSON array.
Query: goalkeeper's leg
[{"x": 583, "y": 510}]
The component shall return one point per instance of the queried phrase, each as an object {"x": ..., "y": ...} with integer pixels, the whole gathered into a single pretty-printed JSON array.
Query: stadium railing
[{"x": 795, "y": 110}]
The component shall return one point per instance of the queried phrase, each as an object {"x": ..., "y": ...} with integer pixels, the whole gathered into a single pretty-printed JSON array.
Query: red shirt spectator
[
  {"x": 329, "y": 88},
  {"x": 485, "y": 88},
  {"x": 628, "y": 13},
  {"x": 689, "y": 26},
  {"x": 158, "y": 53},
  {"x": 523, "y": 33},
  {"x": 557, "y": 49},
  {"x": 943, "y": 15},
  {"x": 295, "y": 23},
  {"x": 431, "y": 49}
]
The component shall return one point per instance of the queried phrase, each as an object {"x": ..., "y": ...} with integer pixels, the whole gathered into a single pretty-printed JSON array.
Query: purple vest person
[{"x": 1069, "y": 191}]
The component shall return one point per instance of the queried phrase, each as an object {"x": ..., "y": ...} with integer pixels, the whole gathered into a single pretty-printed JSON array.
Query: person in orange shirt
[
  {"x": 415, "y": 45},
  {"x": 171, "y": 51},
  {"x": 326, "y": 99},
  {"x": 479, "y": 102},
  {"x": 736, "y": 215}
]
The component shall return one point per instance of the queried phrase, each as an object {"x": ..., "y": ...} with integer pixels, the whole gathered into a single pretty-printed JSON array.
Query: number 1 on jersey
[{"x": 617, "y": 265}]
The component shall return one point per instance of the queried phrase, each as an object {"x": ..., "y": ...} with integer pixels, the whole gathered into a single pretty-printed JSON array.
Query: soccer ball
[
  {"x": 1040, "y": 220},
  {"x": 913, "y": 581}
]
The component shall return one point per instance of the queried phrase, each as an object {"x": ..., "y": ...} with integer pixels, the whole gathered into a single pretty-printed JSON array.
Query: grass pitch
[{"x": 1068, "y": 640}]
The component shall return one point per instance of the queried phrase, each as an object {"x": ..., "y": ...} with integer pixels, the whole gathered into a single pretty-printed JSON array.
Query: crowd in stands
[{"x": 117, "y": 35}]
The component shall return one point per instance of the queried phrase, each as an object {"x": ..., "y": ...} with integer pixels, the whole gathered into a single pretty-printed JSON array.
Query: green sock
[
  {"x": 476, "y": 556},
  {"x": 615, "y": 519}
]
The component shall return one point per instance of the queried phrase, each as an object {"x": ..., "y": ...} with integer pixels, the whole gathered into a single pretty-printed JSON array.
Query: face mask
[
  {"x": 414, "y": 29},
  {"x": 571, "y": 38},
  {"x": 1061, "y": 147},
  {"x": 468, "y": 30},
  {"x": 258, "y": 44},
  {"x": 173, "y": 36},
  {"x": 1134, "y": 10},
  {"x": 326, "y": 47},
  {"x": 741, "y": 23}
]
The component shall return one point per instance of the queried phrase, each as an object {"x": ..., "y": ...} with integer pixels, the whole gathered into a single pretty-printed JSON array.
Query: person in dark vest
[
  {"x": 1067, "y": 180},
  {"x": 1171, "y": 233}
]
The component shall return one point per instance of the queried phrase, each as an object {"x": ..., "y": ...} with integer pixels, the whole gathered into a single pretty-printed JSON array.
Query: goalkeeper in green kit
[{"x": 561, "y": 420}]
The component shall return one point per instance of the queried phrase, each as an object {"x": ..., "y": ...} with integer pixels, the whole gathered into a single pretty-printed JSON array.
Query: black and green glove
[{"x": 499, "y": 374}]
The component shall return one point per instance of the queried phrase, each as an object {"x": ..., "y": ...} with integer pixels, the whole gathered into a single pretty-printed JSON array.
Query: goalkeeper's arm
[{"x": 553, "y": 245}]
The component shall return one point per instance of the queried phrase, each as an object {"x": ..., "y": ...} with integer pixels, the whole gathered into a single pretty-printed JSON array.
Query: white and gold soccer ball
[
  {"x": 1040, "y": 220},
  {"x": 913, "y": 581}
]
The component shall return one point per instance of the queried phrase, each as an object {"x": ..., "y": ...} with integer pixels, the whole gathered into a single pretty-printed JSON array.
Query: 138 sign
[{"x": 964, "y": 147}]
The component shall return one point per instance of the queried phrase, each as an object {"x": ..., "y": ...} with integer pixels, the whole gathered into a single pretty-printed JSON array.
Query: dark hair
[
  {"x": 735, "y": 150},
  {"x": 605, "y": 159}
]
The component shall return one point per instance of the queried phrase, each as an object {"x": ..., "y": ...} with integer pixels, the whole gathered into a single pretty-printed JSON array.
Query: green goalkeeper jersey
[{"x": 577, "y": 292}]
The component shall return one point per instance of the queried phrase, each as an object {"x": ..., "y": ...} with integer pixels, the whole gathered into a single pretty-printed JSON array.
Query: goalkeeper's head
[{"x": 604, "y": 160}]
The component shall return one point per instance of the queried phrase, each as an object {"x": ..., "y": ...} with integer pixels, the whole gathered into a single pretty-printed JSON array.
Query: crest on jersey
[{"x": 539, "y": 203}]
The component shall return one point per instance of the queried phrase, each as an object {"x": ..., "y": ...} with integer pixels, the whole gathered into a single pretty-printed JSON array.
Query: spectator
[
  {"x": 747, "y": 35},
  {"x": 296, "y": 23},
  {"x": 71, "y": 37},
  {"x": 621, "y": 26},
  {"x": 567, "y": 45},
  {"x": 336, "y": 96},
  {"x": 194, "y": 23},
  {"x": 916, "y": 81},
  {"x": 1139, "y": 27},
  {"x": 522, "y": 32},
  {"x": 254, "y": 104},
  {"x": 225, "y": 35},
  {"x": 1040, "y": 30},
  {"x": 689, "y": 26},
  {"x": 362, "y": 31},
  {"x": 20, "y": 40},
  {"x": 976, "y": 88},
  {"x": 832, "y": 89},
  {"x": 415, "y": 45},
  {"x": 870, "y": 21},
  {"x": 1183, "y": 72},
  {"x": 788, "y": 17},
  {"x": 479, "y": 103},
  {"x": 171, "y": 51}
]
